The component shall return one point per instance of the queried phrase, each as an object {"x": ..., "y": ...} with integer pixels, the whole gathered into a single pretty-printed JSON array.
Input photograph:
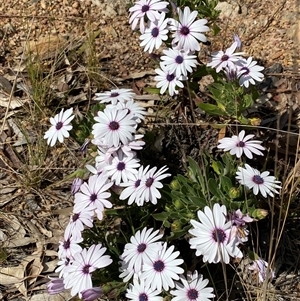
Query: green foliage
[
  {"x": 205, "y": 8},
  {"x": 231, "y": 100},
  {"x": 213, "y": 182}
]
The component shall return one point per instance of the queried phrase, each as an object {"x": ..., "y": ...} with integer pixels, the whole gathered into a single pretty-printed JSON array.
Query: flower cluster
[
  {"x": 154, "y": 266},
  {"x": 250, "y": 177},
  {"x": 235, "y": 66},
  {"x": 151, "y": 266},
  {"x": 115, "y": 136},
  {"x": 186, "y": 32}
]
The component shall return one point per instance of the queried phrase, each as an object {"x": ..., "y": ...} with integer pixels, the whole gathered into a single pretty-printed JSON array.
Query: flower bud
[
  {"x": 175, "y": 185},
  {"x": 176, "y": 226},
  {"x": 91, "y": 294},
  {"x": 178, "y": 204},
  {"x": 234, "y": 193},
  {"x": 77, "y": 182},
  {"x": 55, "y": 286},
  {"x": 260, "y": 213}
]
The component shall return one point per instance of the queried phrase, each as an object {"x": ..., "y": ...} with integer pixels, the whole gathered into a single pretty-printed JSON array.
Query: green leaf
[
  {"x": 194, "y": 169},
  {"x": 211, "y": 109},
  {"x": 152, "y": 90},
  {"x": 161, "y": 216},
  {"x": 213, "y": 188},
  {"x": 217, "y": 167},
  {"x": 215, "y": 29},
  {"x": 199, "y": 202},
  {"x": 225, "y": 183},
  {"x": 201, "y": 71}
]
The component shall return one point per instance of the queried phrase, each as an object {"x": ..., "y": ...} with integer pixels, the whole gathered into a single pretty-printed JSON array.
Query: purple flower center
[
  {"x": 143, "y": 297},
  {"x": 113, "y": 125},
  {"x": 158, "y": 266},
  {"x": 137, "y": 183},
  {"x": 93, "y": 197},
  {"x": 86, "y": 269},
  {"x": 241, "y": 144},
  {"x": 121, "y": 166},
  {"x": 245, "y": 70},
  {"x": 141, "y": 247},
  {"x": 67, "y": 244},
  {"x": 145, "y": 8},
  {"x": 219, "y": 235},
  {"x": 75, "y": 217},
  {"x": 192, "y": 294},
  {"x": 258, "y": 180},
  {"x": 59, "y": 125},
  {"x": 155, "y": 32},
  {"x": 224, "y": 58},
  {"x": 170, "y": 77},
  {"x": 114, "y": 94},
  {"x": 179, "y": 59},
  {"x": 184, "y": 30},
  {"x": 149, "y": 182}
]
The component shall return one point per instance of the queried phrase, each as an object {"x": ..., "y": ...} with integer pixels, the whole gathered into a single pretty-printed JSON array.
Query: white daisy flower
[
  {"x": 136, "y": 144},
  {"x": 163, "y": 268},
  {"x": 231, "y": 72},
  {"x": 143, "y": 246},
  {"x": 237, "y": 145},
  {"x": 60, "y": 127},
  {"x": 94, "y": 195},
  {"x": 140, "y": 291},
  {"x": 78, "y": 220},
  {"x": 114, "y": 96},
  {"x": 113, "y": 127},
  {"x": 260, "y": 269},
  {"x": 69, "y": 246},
  {"x": 250, "y": 73},
  {"x": 122, "y": 168},
  {"x": 192, "y": 288},
  {"x": 167, "y": 80},
  {"x": 134, "y": 109},
  {"x": 150, "y": 183},
  {"x": 83, "y": 264},
  {"x": 155, "y": 34},
  {"x": 259, "y": 182},
  {"x": 62, "y": 266},
  {"x": 150, "y": 8},
  {"x": 178, "y": 61},
  {"x": 132, "y": 186},
  {"x": 128, "y": 149},
  {"x": 127, "y": 273},
  {"x": 212, "y": 236},
  {"x": 221, "y": 60},
  {"x": 188, "y": 31}
]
